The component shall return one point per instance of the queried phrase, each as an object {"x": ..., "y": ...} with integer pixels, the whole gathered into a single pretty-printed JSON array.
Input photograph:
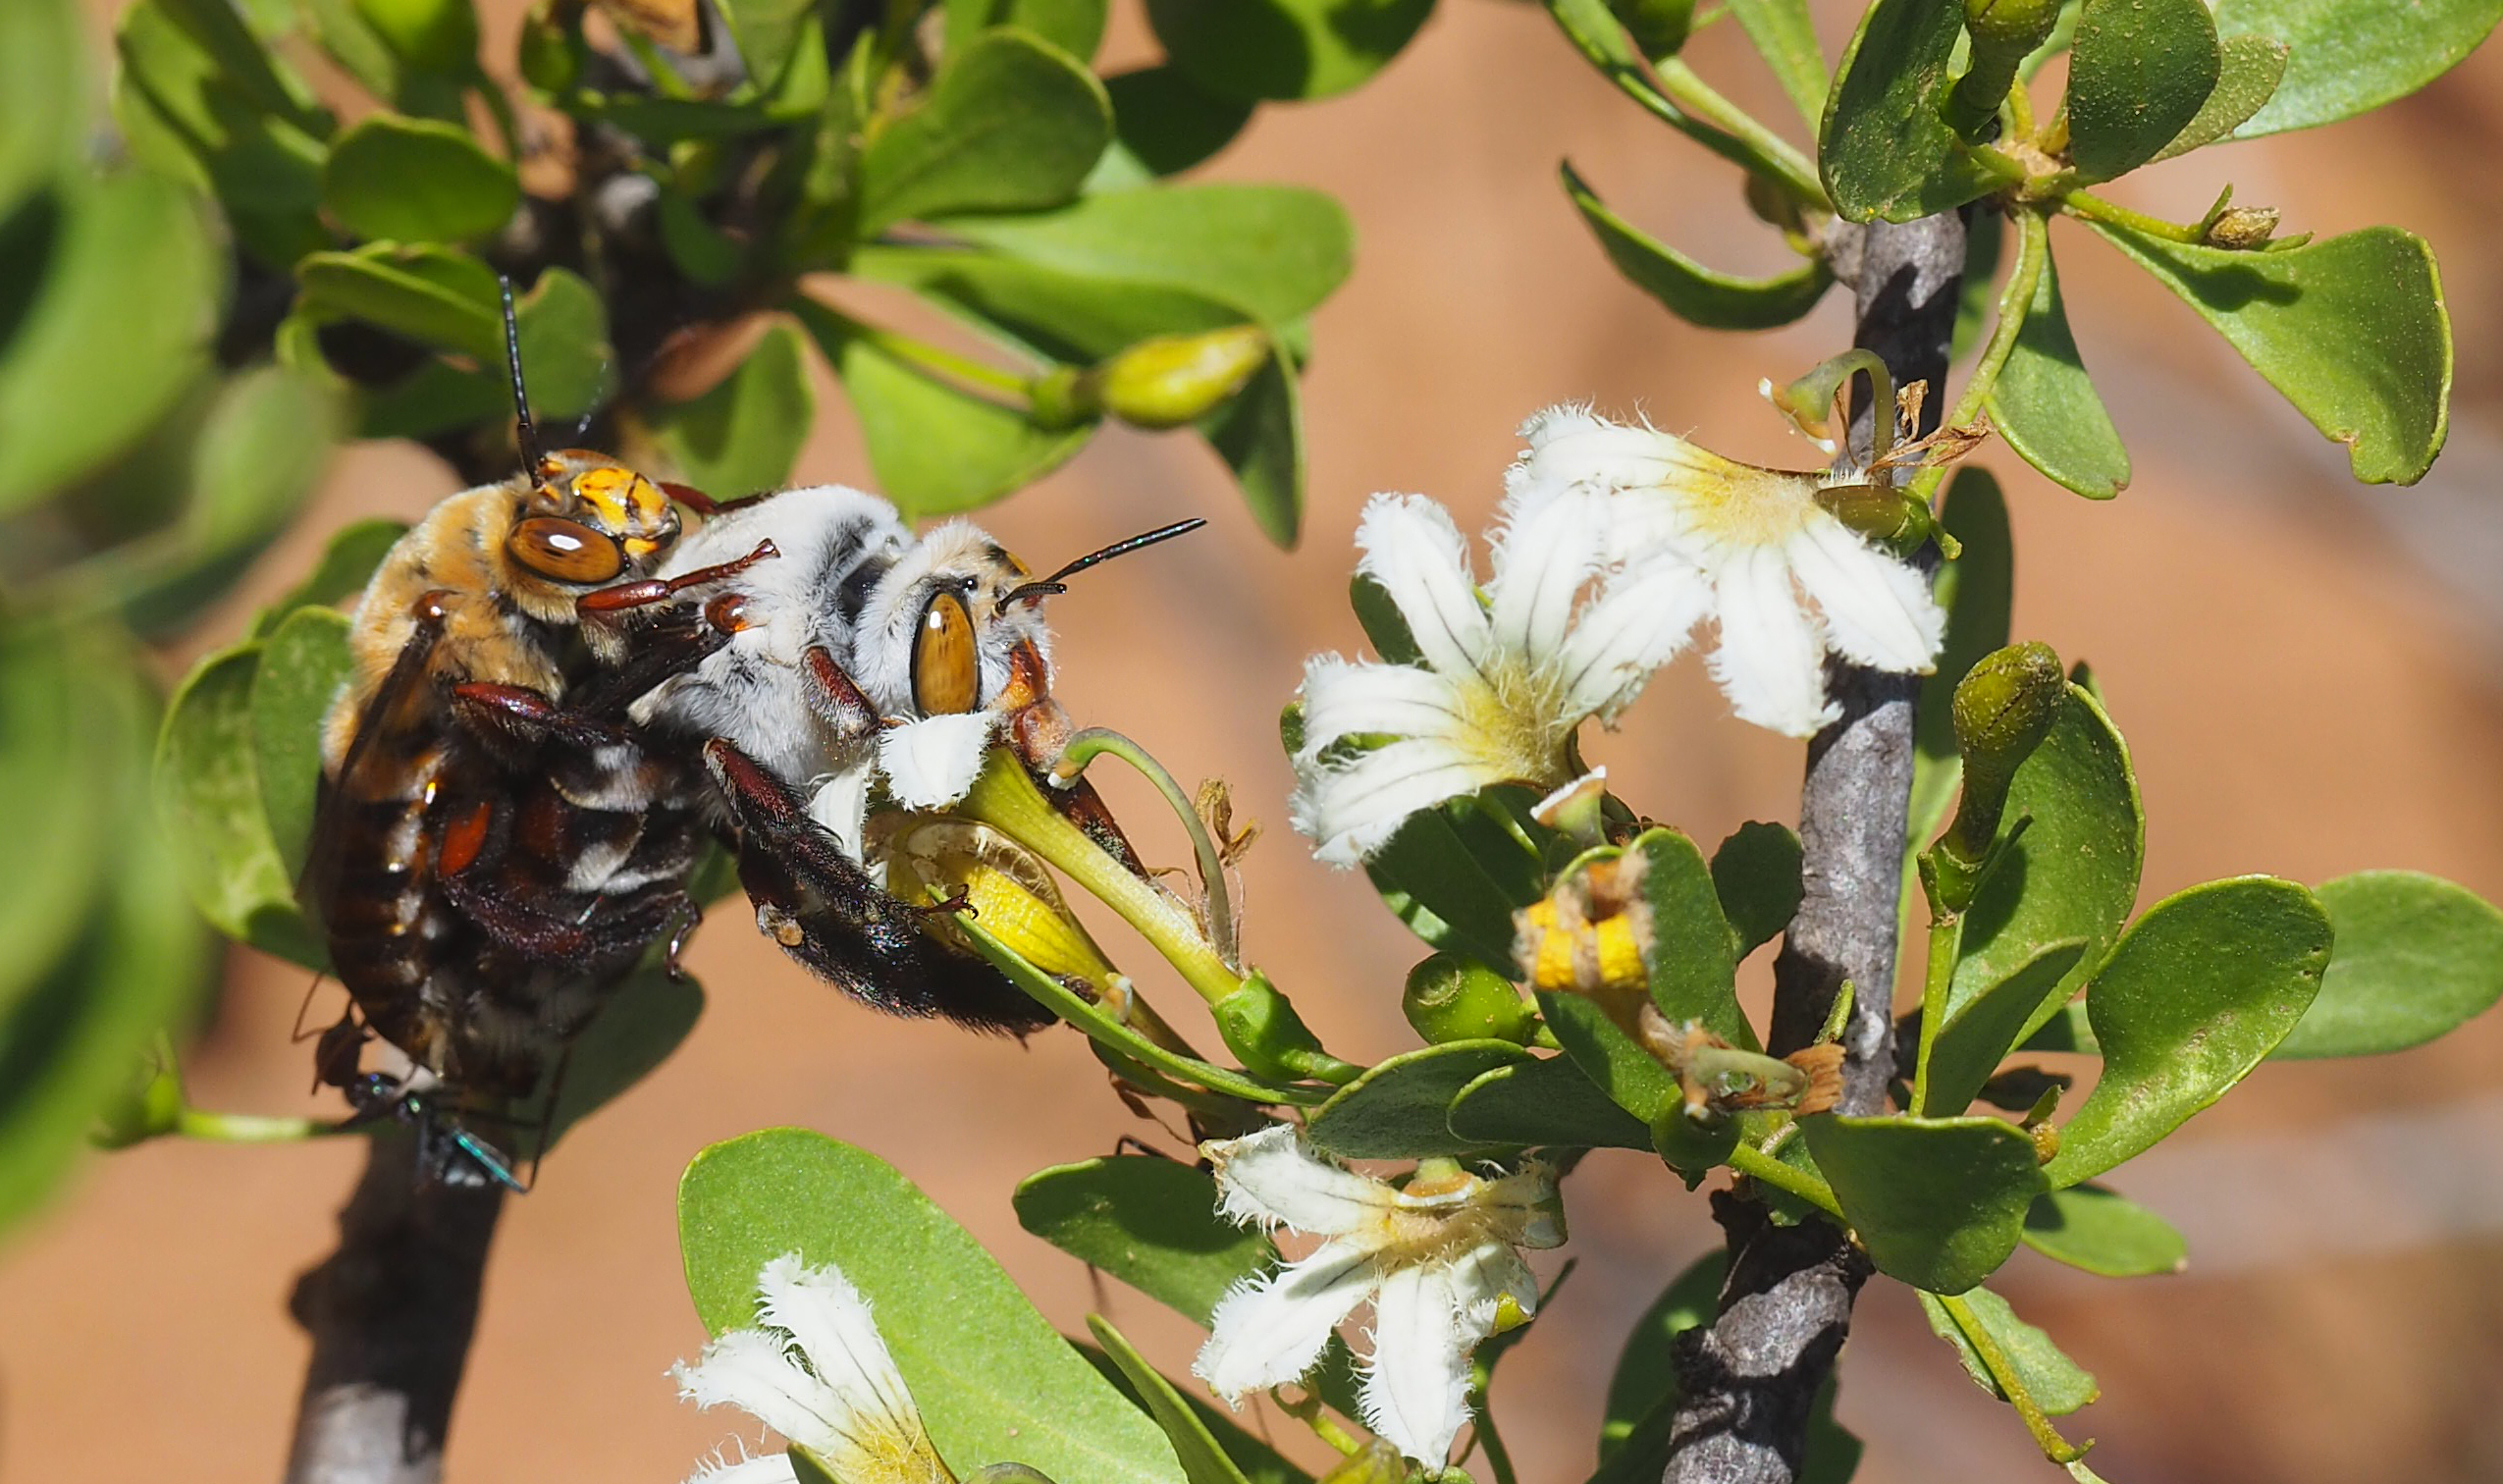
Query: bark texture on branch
[
  {"x": 390, "y": 1313},
  {"x": 1749, "y": 1381}
]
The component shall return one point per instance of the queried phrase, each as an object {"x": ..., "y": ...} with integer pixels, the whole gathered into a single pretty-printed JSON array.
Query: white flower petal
[
  {"x": 841, "y": 804},
  {"x": 766, "y": 1469},
  {"x": 1635, "y": 626},
  {"x": 1275, "y": 1179},
  {"x": 1343, "y": 697},
  {"x": 1878, "y": 611},
  {"x": 752, "y": 1370},
  {"x": 1542, "y": 559},
  {"x": 1351, "y": 810},
  {"x": 1771, "y": 662},
  {"x": 1416, "y": 1391},
  {"x": 830, "y": 1322},
  {"x": 1268, "y": 1330},
  {"x": 1481, "y": 1279},
  {"x": 1420, "y": 557},
  {"x": 1525, "y": 1205},
  {"x": 931, "y": 763}
]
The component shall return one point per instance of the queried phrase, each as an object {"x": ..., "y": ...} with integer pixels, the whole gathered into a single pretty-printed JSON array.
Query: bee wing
[{"x": 332, "y": 796}]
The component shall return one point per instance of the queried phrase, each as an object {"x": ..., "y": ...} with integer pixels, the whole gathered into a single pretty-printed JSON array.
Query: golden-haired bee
[
  {"x": 863, "y": 656},
  {"x": 491, "y": 846}
]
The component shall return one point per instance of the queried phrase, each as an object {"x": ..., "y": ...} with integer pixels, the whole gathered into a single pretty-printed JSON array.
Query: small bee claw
[{"x": 957, "y": 902}]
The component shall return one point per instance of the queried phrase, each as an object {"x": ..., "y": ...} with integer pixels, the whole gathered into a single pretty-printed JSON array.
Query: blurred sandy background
[{"x": 2308, "y": 673}]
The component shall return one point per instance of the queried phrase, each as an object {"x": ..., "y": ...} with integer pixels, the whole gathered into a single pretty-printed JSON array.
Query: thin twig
[
  {"x": 1749, "y": 1382},
  {"x": 390, "y": 1313}
]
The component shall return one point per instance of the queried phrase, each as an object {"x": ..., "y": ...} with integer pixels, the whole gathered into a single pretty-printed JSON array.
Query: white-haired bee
[{"x": 863, "y": 656}]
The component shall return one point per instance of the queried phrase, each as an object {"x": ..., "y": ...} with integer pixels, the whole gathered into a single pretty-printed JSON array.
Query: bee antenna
[
  {"x": 1045, "y": 587},
  {"x": 528, "y": 431}
]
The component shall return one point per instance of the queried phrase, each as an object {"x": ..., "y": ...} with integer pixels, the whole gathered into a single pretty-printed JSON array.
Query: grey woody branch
[{"x": 1749, "y": 1382}]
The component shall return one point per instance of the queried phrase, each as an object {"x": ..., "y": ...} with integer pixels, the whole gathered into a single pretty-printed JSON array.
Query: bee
[
  {"x": 490, "y": 851},
  {"x": 866, "y": 655}
]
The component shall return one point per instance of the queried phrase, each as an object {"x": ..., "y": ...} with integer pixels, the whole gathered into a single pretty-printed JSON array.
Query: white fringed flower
[
  {"x": 1504, "y": 679},
  {"x": 1440, "y": 1260},
  {"x": 1755, "y": 538},
  {"x": 816, "y": 1370}
]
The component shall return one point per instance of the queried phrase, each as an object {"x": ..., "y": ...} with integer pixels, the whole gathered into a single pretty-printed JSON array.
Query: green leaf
[
  {"x": 767, "y": 31},
  {"x": 1546, "y": 1100},
  {"x": 2065, "y": 1031},
  {"x": 1151, "y": 1222},
  {"x": 1939, "y": 1202},
  {"x": 303, "y": 665},
  {"x": 1976, "y": 299},
  {"x": 43, "y": 94},
  {"x": 107, "y": 339},
  {"x": 1076, "y": 27},
  {"x": 1976, "y": 589},
  {"x": 744, "y": 435},
  {"x": 184, "y": 113},
  {"x": 1203, "y": 1461},
  {"x": 2073, "y": 873},
  {"x": 1253, "y": 50},
  {"x": 2138, "y": 72},
  {"x": 208, "y": 797},
  {"x": 1167, "y": 123},
  {"x": 2352, "y": 331},
  {"x": 1076, "y": 318},
  {"x": 646, "y": 1016},
  {"x": 1455, "y": 876},
  {"x": 992, "y": 1378},
  {"x": 2090, "y": 1228},
  {"x": 2249, "y": 71},
  {"x": 1259, "y": 434},
  {"x": 1756, "y": 875},
  {"x": 415, "y": 180},
  {"x": 1885, "y": 149},
  {"x": 1610, "y": 1059},
  {"x": 57, "y": 756},
  {"x": 1395, "y": 1110},
  {"x": 1646, "y": 1374},
  {"x": 935, "y": 450},
  {"x": 2193, "y": 996},
  {"x": 1274, "y": 251},
  {"x": 1385, "y": 627},
  {"x": 71, "y": 1042},
  {"x": 1010, "y": 124},
  {"x": 1692, "y": 957},
  {"x": 2045, "y": 404},
  {"x": 1787, "y": 37},
  {"x": 1259, "y": 1462},
  {"x": 1688, "y": 290},
  {"x": 355, "y": 549},
  {"x": 2415, "y": 957},
  {"x": 2348, "y": 57},
  {"x": 431, "y": 295},
  {"x": 2057, "y": 1384},
  {"x": 1978, "y": 1035}
]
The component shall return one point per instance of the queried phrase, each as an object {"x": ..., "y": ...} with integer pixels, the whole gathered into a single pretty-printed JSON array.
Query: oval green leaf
[
  {"x": 393, "y": 179},
  {"x": 1259, "y": 434},
  {"x": 2057, "y": 1384},
  {"x": 2093, "y": 1230},
  {"x": 1203, "y": 1461},
  {"x": 303, "y": 665},
  {"x": 1610, "y": 1059},
  {"x": 208, "y": 797},
  {"x": 1686, "y": 288},
  {"x": 994, "y": 1381},
  {"x": 57, "y": 754},
  {"x": 2415, "y": 957},
  {"x": 1692, "y": 957},
  {"x": 2352, "y": 331},
  {"x": 2251, "y": 68},
  {"x": 1395, "y": 1110},
  {"x": 355, "y": 549},
  {"x": 43, "y": 93},
  {"x": 2193, "y": 996},
  {"x": 1546, "y": 1100},
  {"x": 1939, "y": 1202},
  {"x": 646, "y": 1016},
  {"x": 2346, "y": 57},
  {"x": 1148, "y": 1221},
  {"x": 1255, "y": 51},
  {"x": 431, "y": 295},
  {"x": 1976, "y": 589},
  {"x": 1785, "y": 37},
  {"x": 1010, "y": 124},
  {"x": 1167, "y": 123},
  {"x": 743, "y": 436},
  {"x": 1982, "y": 1030},
  {"x": 1454, "y": 876},
  {"x": 1883, "y": 148},
  {"x": 2045, "y": 404},
  {"x": 1756, "y": 875},
  {"x": 2139, "y": 70}
]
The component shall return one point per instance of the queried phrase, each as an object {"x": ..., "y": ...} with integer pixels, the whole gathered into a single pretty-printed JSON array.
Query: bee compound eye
[
  {"x": 565, "y": 551},
  {"x": 946, "y": 671}
]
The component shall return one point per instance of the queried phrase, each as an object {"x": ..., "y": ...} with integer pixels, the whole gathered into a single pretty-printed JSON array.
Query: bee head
[
  {"x": 936, "y": 638},
  {"x": 588, "y": 519}
]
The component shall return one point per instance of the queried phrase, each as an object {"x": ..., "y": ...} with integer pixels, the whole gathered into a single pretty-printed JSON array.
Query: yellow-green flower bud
[
  {"x": 1881, "y": 513},
  {"x": 431, "y": 35},
  {"x": 2017, "y": 26},
  {"x": 1176, "y": 379},
  {"x": 1376, "y": 1462},
  {"x": 2003, "y": 33},
  {"x": 148, "y": 1108},
  {"x": 2002, "y": 710},
  {"x": 1658, "y": 28},
  {"x": 1452, "y": 998}
]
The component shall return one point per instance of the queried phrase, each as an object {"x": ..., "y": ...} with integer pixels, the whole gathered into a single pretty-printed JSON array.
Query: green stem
[
  {"x": 918, "y": 355},
  {"x": 1309, "y": 1412},
  {"x": 2020, "y": 110},
  {"x": 1006, "y": 798},
  {"x": 2004, "y": 1373},
  {"x": 2095, "y": 209},
  {"x": 1775, "y": 156},
  {"x": 252, "y": 1128},
  {"x": 1098, "y": 741},
  {"x": 1766, "y": 1170},
  {"x": 2015, "y": 300},
  {"x": 1499, "y": 1459},
  {"x": 1947, "y": 938}
]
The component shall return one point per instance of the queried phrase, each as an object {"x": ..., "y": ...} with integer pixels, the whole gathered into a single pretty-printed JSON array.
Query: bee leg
[
  {"x": 690, "y": 917},
  {"x": 515, "y": 718},
  {"x": 609, "y": 606},
  {"x": 836, "y": 697},
  {"x": 702, "y": 504}
]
